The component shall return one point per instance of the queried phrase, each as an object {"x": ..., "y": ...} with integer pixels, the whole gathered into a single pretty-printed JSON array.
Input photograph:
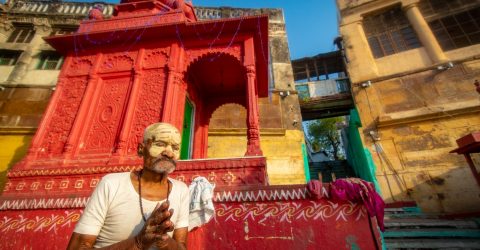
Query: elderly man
[{"x": 139, "y": 210}]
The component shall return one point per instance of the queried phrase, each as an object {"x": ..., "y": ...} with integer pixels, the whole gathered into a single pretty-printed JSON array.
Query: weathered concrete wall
[
  {"x": 41, "y": 77},
  {"x": 5, "y": 72},
  {"x": 414, "y": 163},
  {"x": 22, "y": 108},
  {"x": 415, "y": 112},
  {"x": 346, "y": 4},
  {"x": 20, "y": 112}
]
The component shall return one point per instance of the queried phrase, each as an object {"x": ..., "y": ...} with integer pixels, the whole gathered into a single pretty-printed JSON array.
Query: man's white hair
[{"x": 157, "y": 128}]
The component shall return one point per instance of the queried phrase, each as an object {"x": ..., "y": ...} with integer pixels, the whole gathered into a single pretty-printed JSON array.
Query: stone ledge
[
  {"x": 243, "y": 132},
  {"x": 426, "y": 114},
  {"x": 17, "y": 130}
]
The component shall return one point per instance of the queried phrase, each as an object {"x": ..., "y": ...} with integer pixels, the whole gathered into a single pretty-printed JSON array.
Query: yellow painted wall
[
  {"x": 283, "y": 153},
  {"x": 49, "y": 77},
  {"x": 415, "y": 163},
  {"x": 418, "y": 118},
  {"x": 410, "y": 60},
  {"x": 5, "y": 72},
  {"x": 416, "y": 113},
  {"x": 14, "y": 148}
]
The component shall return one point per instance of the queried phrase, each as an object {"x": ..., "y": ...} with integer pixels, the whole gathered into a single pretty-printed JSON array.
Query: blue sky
[{"x": 311, "y": 24}]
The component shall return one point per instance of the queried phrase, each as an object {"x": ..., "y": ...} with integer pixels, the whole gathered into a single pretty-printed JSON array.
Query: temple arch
[{"x": 213, "y": 79}]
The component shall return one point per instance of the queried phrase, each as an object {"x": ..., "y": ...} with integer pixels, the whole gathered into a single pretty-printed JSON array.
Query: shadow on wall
[
  {"x": 19, "y": 152},
  {"x": 444, "y": 191}
]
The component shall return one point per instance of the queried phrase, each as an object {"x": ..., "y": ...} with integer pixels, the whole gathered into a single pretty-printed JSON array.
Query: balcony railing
[{"x": 321, "y": 88}]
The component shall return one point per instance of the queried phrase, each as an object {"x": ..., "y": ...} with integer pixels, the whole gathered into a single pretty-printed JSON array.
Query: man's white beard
[{"x": 163, "y": 167}]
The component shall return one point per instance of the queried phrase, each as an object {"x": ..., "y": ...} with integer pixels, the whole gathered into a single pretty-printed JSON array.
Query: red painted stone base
[{"x": 295, "y": 224}]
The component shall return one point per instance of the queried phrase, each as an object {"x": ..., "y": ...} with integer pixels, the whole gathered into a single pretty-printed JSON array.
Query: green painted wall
[{"x": 357, "y": 156}]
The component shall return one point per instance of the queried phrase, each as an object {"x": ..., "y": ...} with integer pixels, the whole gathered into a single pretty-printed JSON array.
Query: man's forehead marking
[
  {"x": 170, "y": 133},
  {"x": 165, "y": 133}
]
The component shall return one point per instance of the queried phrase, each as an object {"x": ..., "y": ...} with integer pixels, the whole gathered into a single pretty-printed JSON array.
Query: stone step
[
  {"x": 402, "y": 210},
  {"x": 432, "y": 243},
  {"x": 432, "y": 233},
  {"x": 410, "y": 215},
  {"x": 426, "y": 223}
]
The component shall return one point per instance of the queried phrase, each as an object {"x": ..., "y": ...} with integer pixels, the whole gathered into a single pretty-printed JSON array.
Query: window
[
  {"x": 389, "y": 32},
  {"x": 21, "y": 34},
  {"x": 441, "y": 8},
  {"x": 9, "y": 57},
  {"x": 63, "y": 31},
  {"x": 455, "y": 23},
  {"x": 342, "y": 85},
  {"x": 50, "y": 61}
]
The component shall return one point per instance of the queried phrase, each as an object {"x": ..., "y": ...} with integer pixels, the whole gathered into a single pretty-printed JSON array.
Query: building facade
[
  {"x": 153, "y": 62},
  {"x": 412, "y": 65},
  {"x": 29, "y": 68}
]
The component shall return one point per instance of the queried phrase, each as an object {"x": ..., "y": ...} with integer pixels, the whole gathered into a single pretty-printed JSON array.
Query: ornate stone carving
[
  {"x": 106, "y": 119},
  {"x": 5, "y": 26},
  {"x": 149, "y": 107},
  {"x": 194, "y": 55},
  {"x": 64, "y": 116},
  {"x": 80, "y": 66},
  {"x": 117, "y": 62},
  {"x": 42, "y": 23},
  {"x": 250, "y": 70},
  {"x": 136, "y": 22},
  {"x": 156, "y": 58},
  {"x": 178, "y": 78}
]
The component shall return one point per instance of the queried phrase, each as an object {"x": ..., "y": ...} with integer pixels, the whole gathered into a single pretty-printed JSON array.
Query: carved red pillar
[
  {"x": 85, "y": 108},
  {"x": 200, "y": 142},
  {"x": 181, "y": 97},
  {"x": 253, "y": 133},
  {"x": 204, "y": 133},
  {"x": 174, "y": 104},
  {"x": 131, "y": 105}
]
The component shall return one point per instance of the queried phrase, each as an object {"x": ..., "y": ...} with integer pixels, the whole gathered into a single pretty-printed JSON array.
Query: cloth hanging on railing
[
  {"x": 358, "y": 190},
  {"x": 201, "y": 202},
  {"x": 314, "y": 188}
]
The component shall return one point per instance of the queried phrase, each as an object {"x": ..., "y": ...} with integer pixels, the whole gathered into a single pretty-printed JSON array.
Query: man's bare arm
[
  {"x": 81, "y": 241},
  {"x": 156, "y": 226},
  {"x": 85, "y": 241},
  {"x": 178, "y": 242}
]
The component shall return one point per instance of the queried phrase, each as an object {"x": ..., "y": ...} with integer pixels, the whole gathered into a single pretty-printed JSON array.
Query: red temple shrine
[{"x": 142, "y": 66}]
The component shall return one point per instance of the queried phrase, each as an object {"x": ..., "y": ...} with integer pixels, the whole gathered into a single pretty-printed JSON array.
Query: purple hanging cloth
[
  {"x": 314, "y": 188},
  {"x": 358, "y": 190}
]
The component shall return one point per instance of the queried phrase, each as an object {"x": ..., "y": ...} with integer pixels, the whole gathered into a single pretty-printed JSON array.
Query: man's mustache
[{"x": 163, "y": 158}]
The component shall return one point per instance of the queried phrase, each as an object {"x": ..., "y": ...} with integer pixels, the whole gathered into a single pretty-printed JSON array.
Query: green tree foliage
[{"x": 324, "y": 135}]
